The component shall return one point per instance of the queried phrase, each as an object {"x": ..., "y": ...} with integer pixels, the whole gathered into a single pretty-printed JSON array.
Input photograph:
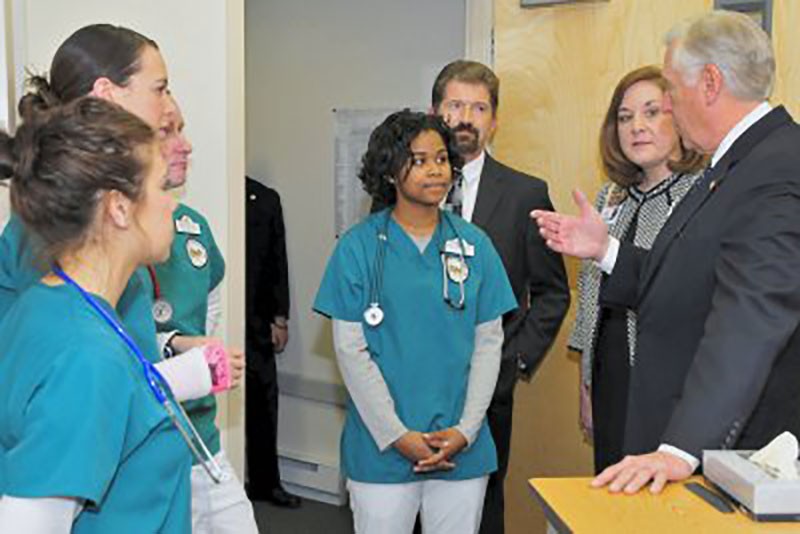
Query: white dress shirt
[{"x": 472, "y": 178}]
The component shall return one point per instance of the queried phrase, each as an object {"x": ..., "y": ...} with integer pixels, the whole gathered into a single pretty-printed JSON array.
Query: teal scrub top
[
  {"x": 423, "y": 347},
  {"x": 77, "y": 419},
  {"x": 20, "y": 269},
  {"x": 195, "y": 267}
]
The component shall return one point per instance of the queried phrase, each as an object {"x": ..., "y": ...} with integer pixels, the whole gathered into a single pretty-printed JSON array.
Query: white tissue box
[{"x": 764, "y": 496}]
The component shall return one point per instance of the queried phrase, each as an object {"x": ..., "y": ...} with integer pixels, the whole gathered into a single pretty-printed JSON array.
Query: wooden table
[{"x": 572, "y": 506}]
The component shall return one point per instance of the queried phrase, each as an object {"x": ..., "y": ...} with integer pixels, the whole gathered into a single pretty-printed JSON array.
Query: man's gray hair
[{"x": 733, "y": 42}]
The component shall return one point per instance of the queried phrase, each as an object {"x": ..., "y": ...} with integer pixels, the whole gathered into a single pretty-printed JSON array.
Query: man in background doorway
[{"x": 267, "y": 331}]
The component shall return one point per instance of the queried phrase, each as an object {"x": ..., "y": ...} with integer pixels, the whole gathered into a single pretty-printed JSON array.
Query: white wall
[
  {"x": 6, "y": 75},
  {"x": 202, "y": 43},
  {"x": 303, "y": 59}
]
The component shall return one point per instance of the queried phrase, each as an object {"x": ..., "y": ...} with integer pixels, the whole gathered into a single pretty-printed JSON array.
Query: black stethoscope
[
  {"x": 157, "y": 384},
  {"x": 454, "y": 267}
]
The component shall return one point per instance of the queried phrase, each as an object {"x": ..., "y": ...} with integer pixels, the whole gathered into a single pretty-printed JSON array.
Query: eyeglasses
[{"x": 459, "y": 107}]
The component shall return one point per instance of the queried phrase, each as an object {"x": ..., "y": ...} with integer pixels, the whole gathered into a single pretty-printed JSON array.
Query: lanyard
[
  {"x": 151, "y": 373},
  {"x": 156, "y": 382}
]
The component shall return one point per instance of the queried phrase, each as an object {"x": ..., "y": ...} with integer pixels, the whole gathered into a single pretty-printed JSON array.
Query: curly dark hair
[{"x": 389, "y": 150}]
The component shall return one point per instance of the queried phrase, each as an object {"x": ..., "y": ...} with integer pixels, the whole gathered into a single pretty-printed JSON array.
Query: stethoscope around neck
[
  {"x": 374, "y": 314},
  {"x": 157, "y": 384}
]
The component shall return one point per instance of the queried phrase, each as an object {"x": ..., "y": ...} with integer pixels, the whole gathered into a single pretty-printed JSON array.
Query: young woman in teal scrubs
[
  {"x": 417, "y": 296},
  {"x": 85, "y": 446},
  {"x": 119, "y": 65},
  {"x": 122, "y": 66}
]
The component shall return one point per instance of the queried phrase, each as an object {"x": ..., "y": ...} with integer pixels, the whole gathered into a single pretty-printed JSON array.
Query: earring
[{"x": 388, "y": 178}]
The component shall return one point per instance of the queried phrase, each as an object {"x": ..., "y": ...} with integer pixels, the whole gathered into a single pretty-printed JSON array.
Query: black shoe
[{"x": 281, "y": 497}]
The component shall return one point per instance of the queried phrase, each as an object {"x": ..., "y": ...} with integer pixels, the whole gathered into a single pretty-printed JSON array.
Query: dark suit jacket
[
  {"x": 537, "y": 275},
  {"x": 718, "y": 301},
  {"x": 267, "y": 273}
]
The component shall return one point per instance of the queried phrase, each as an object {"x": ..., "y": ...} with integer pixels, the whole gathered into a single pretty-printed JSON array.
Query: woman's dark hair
[
  {"x": 61, "y": 162},
  {"x": 389, "y": 150},
  {"x": 92, "y": 52},
  {"x": 617, "y": 166}
]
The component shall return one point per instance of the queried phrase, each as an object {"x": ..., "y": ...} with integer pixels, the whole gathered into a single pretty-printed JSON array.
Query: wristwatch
[{"x": 169, "y": 350}]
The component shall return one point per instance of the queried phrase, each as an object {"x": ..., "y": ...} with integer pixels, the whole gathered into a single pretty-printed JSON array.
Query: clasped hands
[{"x": 431, "y": 451}]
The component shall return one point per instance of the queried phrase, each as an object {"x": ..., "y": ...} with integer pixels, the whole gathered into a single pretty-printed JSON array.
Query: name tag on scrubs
[
  {"x": 451, "y": 247},
  {"x": 185, "y": 225}
]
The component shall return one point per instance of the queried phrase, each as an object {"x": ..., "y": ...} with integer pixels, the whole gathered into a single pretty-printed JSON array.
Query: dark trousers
[
  {"x": 610, "y": 377},
  {"x": 261, "y": 421},
  {"x": 499, "y": 416}
]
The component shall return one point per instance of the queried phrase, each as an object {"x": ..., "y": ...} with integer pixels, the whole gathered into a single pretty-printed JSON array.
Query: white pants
[
  {"x": 220, "y": 508},
  {"x": 445, "y": 506}
]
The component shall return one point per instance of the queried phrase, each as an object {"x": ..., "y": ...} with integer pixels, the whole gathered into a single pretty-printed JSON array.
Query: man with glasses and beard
[{"x": 498, "y": 200}]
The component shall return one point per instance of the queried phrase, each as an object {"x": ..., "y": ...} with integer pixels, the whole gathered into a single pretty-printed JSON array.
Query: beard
[{"x": 467, "y": 139}]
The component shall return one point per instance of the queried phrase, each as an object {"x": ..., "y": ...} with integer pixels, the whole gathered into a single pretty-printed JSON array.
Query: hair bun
[{"x": 38, "y": 100}]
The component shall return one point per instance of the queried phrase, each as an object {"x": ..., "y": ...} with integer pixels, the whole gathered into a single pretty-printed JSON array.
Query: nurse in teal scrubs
[
  {"x": 116, "y": 64},
  {"x": 188, "y": 303},
  {"x": 85, "y": 446},
  {"x": 417, "y": 296}
]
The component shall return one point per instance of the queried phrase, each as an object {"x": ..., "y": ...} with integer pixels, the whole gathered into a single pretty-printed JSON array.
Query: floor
[{"x": 311, "y": 518}]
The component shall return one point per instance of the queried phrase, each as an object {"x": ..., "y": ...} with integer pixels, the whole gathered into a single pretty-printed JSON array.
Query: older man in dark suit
[
  {"x": 498, "y": 199},
  {"x": 718, "y": 296}
]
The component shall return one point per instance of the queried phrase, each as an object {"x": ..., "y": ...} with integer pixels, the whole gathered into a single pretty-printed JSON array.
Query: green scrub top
[
  {"x": 19, "y": 269},
  {"x": 423, "y": 347},
  {"x": 195, "y": 267},
  {"x": 77, "y": 419}
]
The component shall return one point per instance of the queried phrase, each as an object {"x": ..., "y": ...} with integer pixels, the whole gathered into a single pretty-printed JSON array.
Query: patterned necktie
[
  {"x": 455, "y": 198},
  {"x": 704, "y": 182}
]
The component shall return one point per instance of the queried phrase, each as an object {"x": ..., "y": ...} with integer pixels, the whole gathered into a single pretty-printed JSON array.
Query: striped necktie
[{"x": 455, "y": 198}]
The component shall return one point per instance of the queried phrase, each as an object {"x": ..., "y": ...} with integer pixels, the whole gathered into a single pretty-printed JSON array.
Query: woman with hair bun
[
  {"x": 85, "y": 445},
  {"x": 119, "y": 65},
  {"x": 416, "y": 295}
]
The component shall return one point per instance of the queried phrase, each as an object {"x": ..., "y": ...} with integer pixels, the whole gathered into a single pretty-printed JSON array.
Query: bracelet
[{"x": 281, "y": 326}]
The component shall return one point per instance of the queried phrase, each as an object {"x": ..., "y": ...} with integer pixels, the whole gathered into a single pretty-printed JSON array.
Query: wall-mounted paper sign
[
  {"x": 760, "y": 10},
  {"x": 537, "y": 3}
]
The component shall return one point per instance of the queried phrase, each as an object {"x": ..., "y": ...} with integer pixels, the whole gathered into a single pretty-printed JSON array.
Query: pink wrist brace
[{"x": 217, "y": 360}]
